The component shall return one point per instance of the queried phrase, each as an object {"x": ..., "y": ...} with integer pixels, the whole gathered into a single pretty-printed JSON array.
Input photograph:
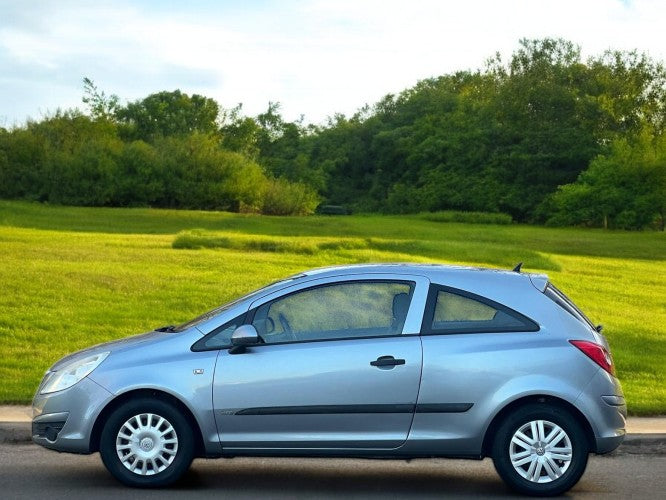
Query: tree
[
  {"x": 281, "y": 147},
  {"x": 167, "y": 114},
  {"x": 22, "y": 154},
  {"x": 630, "y": 93},
  {"x": 240, "y": 133},
  {"x": 100, "y": 106},
  {"x": 624, "y": 189},
  {"x": 542, "y": 136}
]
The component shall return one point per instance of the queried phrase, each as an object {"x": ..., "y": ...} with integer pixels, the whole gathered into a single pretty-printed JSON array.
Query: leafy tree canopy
[
  {"x": 541, "y": 136},
  {"x": 169, "y": 113}
]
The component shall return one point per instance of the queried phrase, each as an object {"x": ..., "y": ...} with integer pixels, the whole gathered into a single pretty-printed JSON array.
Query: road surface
[{"x": 28, "y": 471}]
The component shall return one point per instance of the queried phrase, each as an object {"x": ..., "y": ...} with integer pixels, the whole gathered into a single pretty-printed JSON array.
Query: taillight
[{"x": 596, "y": 353}]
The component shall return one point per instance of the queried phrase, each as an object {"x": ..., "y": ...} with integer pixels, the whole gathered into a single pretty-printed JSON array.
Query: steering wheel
[{"x": 285, "y": 326}]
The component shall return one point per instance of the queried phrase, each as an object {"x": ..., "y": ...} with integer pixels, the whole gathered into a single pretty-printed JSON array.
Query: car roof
[
  {"x": 483, "y": 281},
  {"x": 411, "y": 268}
]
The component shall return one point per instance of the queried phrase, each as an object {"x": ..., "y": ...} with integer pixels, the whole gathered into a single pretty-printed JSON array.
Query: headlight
[{"x": 72, "y": 373}]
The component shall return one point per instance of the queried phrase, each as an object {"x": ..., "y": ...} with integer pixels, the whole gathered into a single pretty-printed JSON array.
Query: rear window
[{"x": 557, "y": 296}]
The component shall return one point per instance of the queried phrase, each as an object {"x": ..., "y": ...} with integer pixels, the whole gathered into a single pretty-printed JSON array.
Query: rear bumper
[
  {"x": 604, "y": 405},
  {"x": 608, "y": 444}
]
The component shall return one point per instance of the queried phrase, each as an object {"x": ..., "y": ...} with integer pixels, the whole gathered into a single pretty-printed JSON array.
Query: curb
[
  {"x": 15, "y": 432},
  {"x": 634, "y": 444},
  {"x": 643, "y": 444}
]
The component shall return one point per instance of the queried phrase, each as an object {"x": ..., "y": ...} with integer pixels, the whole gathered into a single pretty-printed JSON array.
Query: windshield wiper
[{"x": 168, "y": 328}]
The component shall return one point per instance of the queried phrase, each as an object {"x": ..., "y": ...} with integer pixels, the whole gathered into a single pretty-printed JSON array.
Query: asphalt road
[{"x": 27, "y": 471}]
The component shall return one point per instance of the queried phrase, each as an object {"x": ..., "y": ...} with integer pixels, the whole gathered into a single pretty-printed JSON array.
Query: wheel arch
[
  {"x": 547, "y": 400},
  {"x": 121, "y": 399}
]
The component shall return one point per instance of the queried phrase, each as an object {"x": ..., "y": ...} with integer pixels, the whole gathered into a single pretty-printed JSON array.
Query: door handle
[{"x": 387, "y": 361}]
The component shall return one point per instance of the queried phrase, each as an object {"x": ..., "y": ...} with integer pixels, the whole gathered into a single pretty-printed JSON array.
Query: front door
[{"x": 339, "y": 368}]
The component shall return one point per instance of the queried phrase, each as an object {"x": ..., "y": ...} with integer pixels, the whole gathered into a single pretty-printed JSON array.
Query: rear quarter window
[{"x": 451, "y": 310}]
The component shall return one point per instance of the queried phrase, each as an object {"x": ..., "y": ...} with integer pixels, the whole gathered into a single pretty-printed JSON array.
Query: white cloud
[{"x": 316, "y": 57}]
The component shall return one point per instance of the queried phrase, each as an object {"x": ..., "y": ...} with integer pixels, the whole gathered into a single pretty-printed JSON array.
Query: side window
[
  {"x": 337, "y": 311},
  {"x": 220, "y": 337},
  {"x": 455, "y": 311}
]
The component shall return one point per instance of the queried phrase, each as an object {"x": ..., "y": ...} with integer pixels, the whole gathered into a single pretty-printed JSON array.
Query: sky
[{"x": 315, "y": 57}]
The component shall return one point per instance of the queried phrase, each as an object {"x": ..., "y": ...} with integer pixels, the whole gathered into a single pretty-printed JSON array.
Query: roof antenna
[{"x": 517, "y": 268}]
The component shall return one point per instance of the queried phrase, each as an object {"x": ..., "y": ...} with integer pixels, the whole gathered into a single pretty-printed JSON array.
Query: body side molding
[{"x": 347, "y": 409}]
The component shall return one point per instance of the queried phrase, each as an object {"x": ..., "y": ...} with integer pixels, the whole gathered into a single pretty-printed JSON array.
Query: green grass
[
  {"x": 72, "y": 277},
  {"x": 467, "y": 217}
]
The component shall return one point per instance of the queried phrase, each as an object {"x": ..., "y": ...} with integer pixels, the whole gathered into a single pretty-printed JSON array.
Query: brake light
[{"x": 596, "y": 353}]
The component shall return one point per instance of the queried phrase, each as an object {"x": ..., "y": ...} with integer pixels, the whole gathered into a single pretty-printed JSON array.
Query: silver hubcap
[
  {"x": 146, "y": 444},
  {"x": 540, "y": 451}
]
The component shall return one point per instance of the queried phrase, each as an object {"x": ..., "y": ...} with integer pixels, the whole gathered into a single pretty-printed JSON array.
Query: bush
[
  {"x": 403, "y": 199},
  {"x": 73, "y": 160},
  {"x": 198, "y": 174},
  {"x": 139, "y": 182},
  {"x": 284, "y": 198},
  {"x": 198, "y": 238},
  {"x": 22, "y": 154}
]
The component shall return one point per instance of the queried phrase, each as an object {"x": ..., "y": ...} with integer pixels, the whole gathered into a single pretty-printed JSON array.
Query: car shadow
[{"x": 344, "y": 478}]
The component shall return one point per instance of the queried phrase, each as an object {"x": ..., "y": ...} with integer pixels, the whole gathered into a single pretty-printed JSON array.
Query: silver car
[{"x": 386, "y": 360}]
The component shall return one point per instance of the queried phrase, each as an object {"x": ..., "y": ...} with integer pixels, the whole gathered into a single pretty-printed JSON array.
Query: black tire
[
  {"x": 175, "y": 458},
  {"x": 550, "y": 414}
]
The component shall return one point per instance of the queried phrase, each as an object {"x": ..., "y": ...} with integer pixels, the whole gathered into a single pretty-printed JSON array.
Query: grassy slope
[{"x": 72, "y": 277}]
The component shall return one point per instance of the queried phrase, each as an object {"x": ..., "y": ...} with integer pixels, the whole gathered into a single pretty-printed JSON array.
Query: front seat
[{"x": 400, "y": 308}]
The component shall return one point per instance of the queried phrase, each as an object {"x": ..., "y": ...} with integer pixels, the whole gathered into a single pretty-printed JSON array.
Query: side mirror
[{"x": 245, "y": 335}]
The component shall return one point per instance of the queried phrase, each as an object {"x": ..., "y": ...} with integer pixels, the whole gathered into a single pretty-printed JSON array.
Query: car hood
[{"x": 114, "y": 345}]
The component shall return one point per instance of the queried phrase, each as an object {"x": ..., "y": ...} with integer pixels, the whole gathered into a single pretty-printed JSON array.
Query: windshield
[{"x": 214, "y": 312}]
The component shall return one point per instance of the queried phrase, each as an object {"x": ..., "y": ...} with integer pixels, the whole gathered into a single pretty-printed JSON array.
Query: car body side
[{"x": 490, "y": 371}]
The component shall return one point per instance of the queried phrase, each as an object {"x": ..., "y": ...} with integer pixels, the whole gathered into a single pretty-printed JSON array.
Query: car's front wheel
[
  {"x": 147, "y": 443},
  {"x": 540, "y": 450}
]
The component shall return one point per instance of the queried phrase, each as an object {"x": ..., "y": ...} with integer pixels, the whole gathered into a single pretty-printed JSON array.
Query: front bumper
[{"x": 64, "y": 420}]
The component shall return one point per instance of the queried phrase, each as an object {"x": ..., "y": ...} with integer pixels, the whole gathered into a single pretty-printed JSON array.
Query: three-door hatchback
[{"x": 386, "y": 360}]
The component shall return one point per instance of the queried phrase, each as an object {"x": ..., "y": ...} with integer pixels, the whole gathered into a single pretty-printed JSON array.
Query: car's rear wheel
[
  {"x": 540, "y": 450},
  {"x": 147, "y": 443}
]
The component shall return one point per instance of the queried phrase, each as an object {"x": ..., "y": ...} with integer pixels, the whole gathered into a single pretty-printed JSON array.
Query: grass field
[{"x": 73, "y": 277}]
